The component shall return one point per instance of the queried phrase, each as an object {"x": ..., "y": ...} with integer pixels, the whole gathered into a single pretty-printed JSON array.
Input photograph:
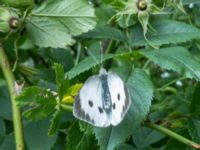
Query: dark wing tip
[
  {"x": 127, "y": 103},
  {"x": 79, "y": 113}
]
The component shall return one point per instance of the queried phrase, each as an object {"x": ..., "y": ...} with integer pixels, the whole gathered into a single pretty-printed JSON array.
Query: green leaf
[
  {"x": 88, "y": 63},
  {"x": 195, "y": 104},
  {"x": 40, "y": 102},
  {"x": 194, "y": 129},
  {"x": 5, "y": 106},
  {"x": 86, "y": 128},
  {"x": 177, "y": 59},
  {"x": 2, "y": 127},
  {"x": 104, "y": 32},
  {"x": 55, "y": 122},
  {"x": 173, "y": 144},
  {"x": 61, "y": 83},
  {"x": 8, "y": 143},
  {"x": 58, "y": 55},
  {"x": 186, "y": 2},
  {"x": 141, "y": 90},
  {"x": 59, "y": 70},
  {"x": 2, "y": 130},
  {"x": 61, "y": 55},
  {"x": 77, "y": 140},
  {"x": 55, "y": 22},
  {"x": 144, "y": 137},
  {"x": 126, "y": 147},
  {"x": 167, "y": 32},
  {"x": 36, "y": 137}
]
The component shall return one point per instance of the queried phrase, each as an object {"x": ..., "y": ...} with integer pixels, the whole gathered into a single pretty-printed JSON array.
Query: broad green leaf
[
  {"x": 88, "y": 63},
  {"x": 62, "y": 56},
  {"x": 36, "y": 137},
  {"x": 5, "y": 105},
  {"x": 55, "y": 22},
  {"x": 86, "y": 128},
  {"x": 166, "y": 32},
  {"x": 39, "y": 102},
  {"x": 186, "y": 2},
  {"x": 8, "y": 143},
  {"x": 195, "y": 104},
  {"x": 2, "y": 130},
  {"x": 77, "y": 140},
  {"x": 144, "y": 137},
  {"x": 60, "y": 142},
  {"x": 126, "y": 147},
  {"x": 2, "y": 127},
  {"x": 141, "y": 90},
  {"x": 104, "y": 32},
  {"x": 177, "y": 59},
  {"x": 194, "y": 129},
  {"x": 55, "y": 122}
]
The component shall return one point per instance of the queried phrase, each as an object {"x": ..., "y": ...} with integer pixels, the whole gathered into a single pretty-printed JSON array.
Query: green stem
[
  {"x": 109, "y": 47},
  {"x": 17, "y": 120},
  {"x": 170, "y": 83},
  {"x": 66, "y": 107},
  {"x": 146, "y": 64},
  {"x": 174, "y": 135}
]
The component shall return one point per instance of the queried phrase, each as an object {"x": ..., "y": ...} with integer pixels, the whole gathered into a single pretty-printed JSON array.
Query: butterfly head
[{"x": 102, "y": 71}]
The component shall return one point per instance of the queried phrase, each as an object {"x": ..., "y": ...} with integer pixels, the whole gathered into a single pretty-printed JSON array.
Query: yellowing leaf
[
  {"x": 68, "y": 99},
  {"x": 72, "y": 91}
]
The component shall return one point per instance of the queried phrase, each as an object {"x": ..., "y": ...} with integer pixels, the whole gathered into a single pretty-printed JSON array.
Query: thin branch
[
  {"x": 10, "y": 79},
  {"x": 174, "y": 135},
  {"x": 67, "y": 107}
]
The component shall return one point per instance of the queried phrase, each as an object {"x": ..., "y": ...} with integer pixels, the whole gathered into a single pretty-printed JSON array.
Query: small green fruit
[
  {"x": 9, "y": 20},
  {"x": 142, "y": 5}
]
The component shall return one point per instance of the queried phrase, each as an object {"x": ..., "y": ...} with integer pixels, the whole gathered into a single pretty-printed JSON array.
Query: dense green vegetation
[{"x": 153, "y": 45}]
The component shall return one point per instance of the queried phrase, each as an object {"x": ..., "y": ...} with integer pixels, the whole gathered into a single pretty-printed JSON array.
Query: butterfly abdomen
[{"x": 106, "y": 98}]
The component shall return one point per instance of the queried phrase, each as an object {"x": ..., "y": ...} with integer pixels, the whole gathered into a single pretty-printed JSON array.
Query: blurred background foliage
[{"x": 154, "y": 46}]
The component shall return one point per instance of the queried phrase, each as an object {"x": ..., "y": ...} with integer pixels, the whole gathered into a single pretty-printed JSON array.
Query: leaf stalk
[
  {"x": 17, "y": 119},
  {"x": 66, "y": 107},
  {"x": 174, "y": 135}
]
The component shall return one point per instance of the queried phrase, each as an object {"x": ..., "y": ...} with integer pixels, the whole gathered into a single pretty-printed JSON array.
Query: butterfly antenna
[
  {"x": 101, "y": 53},
  {"x": 92, "y": 56}
]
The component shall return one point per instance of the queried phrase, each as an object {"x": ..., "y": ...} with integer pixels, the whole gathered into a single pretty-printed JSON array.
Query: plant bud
[
  {"x": 142, "y": 5},
  {"x": 9, "y": 20}
]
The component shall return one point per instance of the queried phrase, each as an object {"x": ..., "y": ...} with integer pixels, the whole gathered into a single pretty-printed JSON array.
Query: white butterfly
[{"x": 103, "y": 100}]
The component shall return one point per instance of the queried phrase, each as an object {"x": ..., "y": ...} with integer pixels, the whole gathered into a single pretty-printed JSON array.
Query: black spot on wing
[
  {"x": 90, "y": 103},
  {"x": 80, "y": 113},
  {"x": 118, "y": 97},
  {"x": 127, "y": 102},
  {"x": 114, "y": 105},
  {"x": 100, "y": 110}
]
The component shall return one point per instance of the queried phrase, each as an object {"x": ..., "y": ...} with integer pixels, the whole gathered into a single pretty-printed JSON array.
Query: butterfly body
[{"x": 103, "y": 100}]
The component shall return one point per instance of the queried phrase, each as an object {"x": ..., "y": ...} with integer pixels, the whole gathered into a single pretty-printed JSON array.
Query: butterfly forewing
[
  {"x": 88, "y": 105},
  {"x": 119, "y": 96},
  {"x": 103, "y": 100}
]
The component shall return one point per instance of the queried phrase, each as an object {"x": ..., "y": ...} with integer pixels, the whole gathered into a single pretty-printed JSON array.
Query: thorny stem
[
  {"x": 174, "y": 135},
  {"x": 10, "y": 79}
]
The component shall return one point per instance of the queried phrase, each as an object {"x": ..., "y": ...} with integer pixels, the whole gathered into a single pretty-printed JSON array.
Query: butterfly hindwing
[
  {"x": 119, "y": 96},
  {"x": 88, "y": 105}
]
